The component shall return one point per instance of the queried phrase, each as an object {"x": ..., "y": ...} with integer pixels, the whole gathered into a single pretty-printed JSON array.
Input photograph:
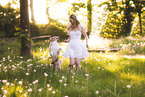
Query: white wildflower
[
  {"x": 30, "y": 90},
  {"x": 53, "y": 92},
  {"x": 86, "y": 74},
  {"x": 128, "y": 86},
  {"x": 97, "y": 92},
  {"x": 20, "y": 82},
  {"x": 60, "y": 81}
]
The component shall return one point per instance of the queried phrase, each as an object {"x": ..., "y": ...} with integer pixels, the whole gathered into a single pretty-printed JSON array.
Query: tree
[
  {"x": 89, "y": 17},
  {"x": 128, "y": 18},
  {"x": 138, "y": 8},
  {"x": 9, "y": 21},
  {"x": 32, "y": 12},
  {"x": 25, "y": 29},
  {"x": 122, "y": 12}
]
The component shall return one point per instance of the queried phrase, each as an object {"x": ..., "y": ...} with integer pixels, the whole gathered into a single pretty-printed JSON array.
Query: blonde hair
[{"x": 76, "y": 22}]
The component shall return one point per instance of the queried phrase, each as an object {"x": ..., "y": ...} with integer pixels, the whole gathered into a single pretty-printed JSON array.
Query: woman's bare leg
[
  {"x": 78, "y": 66},
  {"x": 72, "y": 62}
]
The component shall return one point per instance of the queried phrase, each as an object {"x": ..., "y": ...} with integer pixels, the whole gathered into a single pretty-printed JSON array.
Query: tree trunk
[
  {"x": 25, "y": 29},
  {"x": 128, "y": 19},
  {"x": 32, "y": 12},
  {"x": 89, "y": 17},
  {"x": 139, "y": 15},
  {"x": 47, "y": 10}
]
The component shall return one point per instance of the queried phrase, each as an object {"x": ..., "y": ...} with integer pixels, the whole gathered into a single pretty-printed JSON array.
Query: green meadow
[{"x": 103, "y": 74}]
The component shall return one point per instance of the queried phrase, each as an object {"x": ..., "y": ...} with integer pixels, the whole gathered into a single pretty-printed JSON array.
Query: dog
[{"x": 54, "y": 53}]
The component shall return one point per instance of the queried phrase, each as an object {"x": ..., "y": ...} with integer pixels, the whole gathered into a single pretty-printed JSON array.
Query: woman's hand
[{"x": 67, "y": 40}]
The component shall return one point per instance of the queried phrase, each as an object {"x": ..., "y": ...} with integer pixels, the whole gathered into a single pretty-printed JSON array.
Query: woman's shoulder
[{"x": 81, "y": 27}]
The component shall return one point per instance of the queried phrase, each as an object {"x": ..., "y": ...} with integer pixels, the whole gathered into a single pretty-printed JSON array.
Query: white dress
[{"x": 76, "y": 47}]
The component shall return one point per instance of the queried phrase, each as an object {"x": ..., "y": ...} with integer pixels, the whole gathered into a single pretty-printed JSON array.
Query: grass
[
  {"x": 102, "y": 75},
  {"x": 130, "y": 45}
]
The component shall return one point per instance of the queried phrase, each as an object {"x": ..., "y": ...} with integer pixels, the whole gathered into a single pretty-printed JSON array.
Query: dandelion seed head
[
  {"x": 39, "y": 90},
  {"x": 45, "y": 74},
  {"x": 5, "y": 91},
  {"x": 128, "y": 86},
  {"x": 60, "y": 81},
  {"x": 20, "y": 82},
  {"x": 53, "y": 92},
  {"x": 12, "y": 84},
  {"x": 97, "y": 92},
  {"x": 86, "y": 74},
  {"x": 30, "y": 90},
  {"x": 62, "y": 77},
  {"x": 50, "y": 89},
  {"x": 7, "y": 83},
  {"x": 65, "y": 84},
  {"x": 4, "y": 81},
  {"x": 48, "y": 85},
  {"x": 20, "y": 91},
  {"x": 27, "y": 73},
  {"x": 21, "y": 57},
  {"x": 4, "y": 96}
]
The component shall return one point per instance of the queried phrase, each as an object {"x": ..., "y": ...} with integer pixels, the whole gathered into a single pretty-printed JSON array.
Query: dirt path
[{"x": 133, "y": 56}]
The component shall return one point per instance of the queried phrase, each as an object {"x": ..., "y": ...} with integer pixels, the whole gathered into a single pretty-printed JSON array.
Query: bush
[
  {"x": 9, "y": 23},
  {"x": 56, "y": 30},
  {"x": 130, "y": 45},
  {"x": 35, "y": 31},
  {"x": 113, "y": 26},
  {"x": 136, "y": 26}
]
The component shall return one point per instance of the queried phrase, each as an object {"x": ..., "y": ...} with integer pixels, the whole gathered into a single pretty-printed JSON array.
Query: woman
[{"x": 76, "y": 49}]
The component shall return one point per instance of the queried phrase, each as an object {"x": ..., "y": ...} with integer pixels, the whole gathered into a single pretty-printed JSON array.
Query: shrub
[{"x": 35, "y": 31}]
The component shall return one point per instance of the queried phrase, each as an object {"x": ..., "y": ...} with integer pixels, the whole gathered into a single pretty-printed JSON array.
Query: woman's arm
[{"x": 85, "y": 35}]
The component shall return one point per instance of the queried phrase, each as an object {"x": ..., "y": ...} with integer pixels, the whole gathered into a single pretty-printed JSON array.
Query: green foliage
[
  {"x": 123, "y": 15},
  {"x": 136, "y": 27},
  {"x": 35, "y": 31},
  {"x": 56, "y": 30},
  {"x": 129, "y": 45},
  {"x": 9, "y": 22},
  {"x": 62, "y": 0},
  {"x": 113, "y": 25},
  {"x": 77, "y": 6}
]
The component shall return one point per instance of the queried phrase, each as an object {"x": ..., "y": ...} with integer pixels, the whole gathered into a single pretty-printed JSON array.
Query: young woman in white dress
[{"x": 76, "y": 50}]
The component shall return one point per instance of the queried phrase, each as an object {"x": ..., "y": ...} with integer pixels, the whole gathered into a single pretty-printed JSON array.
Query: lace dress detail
[{"x": 76, "y": 47}]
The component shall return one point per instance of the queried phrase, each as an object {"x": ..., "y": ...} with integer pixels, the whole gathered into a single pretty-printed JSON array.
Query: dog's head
[{"x": 54, "y": 38}]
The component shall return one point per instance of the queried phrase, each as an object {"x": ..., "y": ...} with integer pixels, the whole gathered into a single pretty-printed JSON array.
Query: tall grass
[
  {"x": 130, "y": 45},
  {"x": 102, "y": 75}
]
